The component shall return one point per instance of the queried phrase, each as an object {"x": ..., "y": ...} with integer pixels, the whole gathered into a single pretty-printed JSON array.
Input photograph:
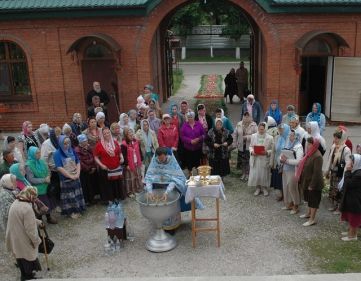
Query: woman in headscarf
[
  {"x": 42, "y": 133},
  {"x": 207, "y": 123},
  {"x": 259, "y": 162},
  {"x": 310, "y": 177},
  {"x": 153, "y": 105},
  {"x": 177, "y": 118},
  {"x": 92, "y": 133},
  {"x": 276, "y": 167},
  {"x": 314, "y": 131},
  {"x": 227, "y": 124},
  {"x": 18, "y": 170},
  {"x": 133, "y": 122},
  {"x": 218, "y": 140},
  {"x": 123, "y": 122},
  {"x": 100, "y": 118},
  {"x": 291, "y": 112},
  {"x": 10, "y": 143},
  {"x": 351, "y": 200},
  {"x": 241, "y": 140},
  {"x": 231, "y": 85},
  {"x": 22, "y": 237},
  {"x": 338, "y": 159},
  {"x": 275, "y": 112},
  {"x": 88, "y": 170},
  {"x": 148, "y": 143},
  {"x": 38, "y": 175},
  {"x": 108, "y": 156},
  {"x": 67, "y": 131},
  {"x": 192, "y": 136},
  {"x": 272, "y": 126},
  {"x": 8, "y": 192},
  {"x": 27, "y": 139},
  {"x": 68, "y": 165},
  {"x": 132, "y": 162},
  {"x": 291, "y": 155},
  {"x": 47, "y": 153},
  {"x": 317, "y": 116}
]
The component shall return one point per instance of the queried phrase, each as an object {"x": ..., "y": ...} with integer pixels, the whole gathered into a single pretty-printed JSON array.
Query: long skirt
[
  {"x": 220, "y": 167},
  {"x": 276, "y": 179},
  {"x": 353, "y": 219},
  {"x": 243, "y": 161},
  {"x": 71, "y": 196},
  {"x": 192, "y": 159},
  {"x": 27, "y": 268},
  {"x": 291, "y": 192},
  {"x": 89, "y": 184},
  {"x": 133, "y": 180},
  {"x": 111, "y": 190},
  {"x": 259, "y": 174},
  {"x": 48, "y": 202},
  {"x": 55, "y": 182},
  {"x": 334, "y": 194},
  {"x": 313, "y": 198}
]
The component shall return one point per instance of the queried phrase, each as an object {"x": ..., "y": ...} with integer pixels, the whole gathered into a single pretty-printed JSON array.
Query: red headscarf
[{"x": 314, "y": 148}]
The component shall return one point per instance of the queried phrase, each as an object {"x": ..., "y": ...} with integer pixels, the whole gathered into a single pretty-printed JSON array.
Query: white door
[{"x": 346, "y": 90}]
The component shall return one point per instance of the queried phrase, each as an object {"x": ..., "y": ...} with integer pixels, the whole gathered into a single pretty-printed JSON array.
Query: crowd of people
[{"x": 67, "y": 169}]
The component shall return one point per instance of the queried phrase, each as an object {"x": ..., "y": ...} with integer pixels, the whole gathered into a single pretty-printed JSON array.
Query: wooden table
[{"x": 214, "y": 191}]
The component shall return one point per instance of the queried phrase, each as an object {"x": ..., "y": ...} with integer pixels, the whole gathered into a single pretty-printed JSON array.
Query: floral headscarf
[{"x": 28, "y": 194}]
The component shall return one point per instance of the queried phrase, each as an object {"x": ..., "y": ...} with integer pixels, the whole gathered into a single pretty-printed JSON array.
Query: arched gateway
[{"x": 266, "y": 46}]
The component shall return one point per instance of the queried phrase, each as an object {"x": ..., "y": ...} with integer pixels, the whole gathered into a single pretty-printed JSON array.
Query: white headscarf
[
  {"x": 7, "y": 181},
  {"x": 315, "y": 130},
  {"x": 99, "y": 116}
]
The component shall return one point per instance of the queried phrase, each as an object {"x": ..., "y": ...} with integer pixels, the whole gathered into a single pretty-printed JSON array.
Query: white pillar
[
  {"x": 184, "y": 56},
  {"x": 238, "y": 52},
  {"x": 211, "y": 51}
]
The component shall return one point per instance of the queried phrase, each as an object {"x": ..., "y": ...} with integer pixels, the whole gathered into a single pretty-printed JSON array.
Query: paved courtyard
[{"x": 258, "y": 239}]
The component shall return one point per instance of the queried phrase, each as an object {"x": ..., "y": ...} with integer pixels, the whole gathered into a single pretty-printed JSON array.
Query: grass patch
[
  {"x": 214, "y": 59},
  {"x": 178, "y": 77},
  {"x": 335, "y": 256}
]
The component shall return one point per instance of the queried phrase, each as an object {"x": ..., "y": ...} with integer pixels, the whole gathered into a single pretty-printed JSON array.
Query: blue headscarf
[
  {"x": 281, "y": 142},
  {"x": 35, "y": 164},
  {"x": 291, "y": 145},
  {"x": 69, "y": 153},
  {"x": 53, "y": 138},
  {"x": 15, "y": 170},
  {"x": 275, "y": 114},
  {"x": 316, "y": 116}
]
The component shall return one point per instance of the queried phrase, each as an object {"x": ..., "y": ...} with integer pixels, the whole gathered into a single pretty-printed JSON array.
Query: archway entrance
[
  {"x": 99, "y": 58},
  {"x": 166, "y": 50}
]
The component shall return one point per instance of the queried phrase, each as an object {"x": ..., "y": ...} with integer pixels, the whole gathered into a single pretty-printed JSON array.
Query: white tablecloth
[{"x": 215, "y": 191}]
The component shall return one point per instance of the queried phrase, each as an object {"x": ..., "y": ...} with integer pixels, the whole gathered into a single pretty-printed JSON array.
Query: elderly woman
[
  {"x": 313, "y": 131},
  {"x": 18, "y": 170},
  {"x": 42, "y": 133},
  {"x": 108, "y": 156},
  {"x": 231, "y": 85},
  {"x": 168, "y": 134},
  {"x": 272, "y": 126},
  {"x": 276, "y": 167},
  {"x": 291, "y": 112},
  {"x": 38, "y": 175},
  {"x": 241, "y": 140},
  {"x": 117, "y": 133},
  {"x": 192, "y": 135},
  {"x": 148, "y": 143},
  {"x": 27, "y": 139},
  {"x": 22, "y": 237},
  {"x": 261, "y": 151},
  {"x": 132, "y": 162},
  {"x": 77, "y": 125},
  {"x": 88, "y": 170},
  {"x": 351, "y": 200},
  {"x": 133, "y": 121},
  {"x": 154, "y": 122},
  {"x": 317, "y": 116},
  {"x": 291, "y": 155},
  {"x": 11, "y": 144},
  {"x": 227, "y": 124},
  {"x": 92, "y": 133},
  {"x": 8, "y": 192},
  {"x": 218, "y": 140},
  {"x": 68, "y": 165},
  {"x": 69, "y": 133},
  {"x": 100, "y": 118},
  {"x": 338, "y": 159},
  {"x": 123, "y": 122},
  {"x": 154, "y": 105},
  {"x": 275, "y": 112},
  {"x": 310, "y": 177}
]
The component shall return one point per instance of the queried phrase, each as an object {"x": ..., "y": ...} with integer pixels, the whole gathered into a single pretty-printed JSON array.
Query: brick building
[{"x": 51, "y": 51}]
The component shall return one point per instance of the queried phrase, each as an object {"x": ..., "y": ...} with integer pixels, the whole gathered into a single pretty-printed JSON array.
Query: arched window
[
  {"x": 97, "y": 51},
  {"x": 14, "y": 73}
]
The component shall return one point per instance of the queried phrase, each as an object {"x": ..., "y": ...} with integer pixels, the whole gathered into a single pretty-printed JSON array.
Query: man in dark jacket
[
  {"x": 97, "y": 91},
  {"x": 253, "y": 107}
]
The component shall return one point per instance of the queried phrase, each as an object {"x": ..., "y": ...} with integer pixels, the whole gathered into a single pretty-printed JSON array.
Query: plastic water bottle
[
  {"x": 108, "y": 247},
  {"x": 112, "y": 220}
]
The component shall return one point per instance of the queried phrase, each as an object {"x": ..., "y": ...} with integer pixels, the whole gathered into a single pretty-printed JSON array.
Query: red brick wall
[{"x": 56, "y": 79}]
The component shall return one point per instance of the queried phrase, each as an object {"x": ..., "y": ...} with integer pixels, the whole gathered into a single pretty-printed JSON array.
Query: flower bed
[{"x": 211, "y": 87}]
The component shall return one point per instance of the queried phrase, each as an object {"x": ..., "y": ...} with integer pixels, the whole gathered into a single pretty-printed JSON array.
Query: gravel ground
[{"x": 257, "y": 239}]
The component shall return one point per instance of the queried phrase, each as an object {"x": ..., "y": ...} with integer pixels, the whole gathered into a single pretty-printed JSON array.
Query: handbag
[
  {"x": 341, "y": 165},
  {"x": 49, "y": 244},
  {"x": 115, "y": 174}
]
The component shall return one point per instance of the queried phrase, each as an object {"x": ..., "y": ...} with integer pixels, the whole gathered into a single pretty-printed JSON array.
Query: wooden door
[{"x": 102, "y": 70}]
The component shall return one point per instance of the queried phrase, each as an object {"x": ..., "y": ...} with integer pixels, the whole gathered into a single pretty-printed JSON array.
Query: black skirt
[
  {"x": 313, "y": 198},
  {"x": 111, "y": 190},
  {"x": 28, "y": 267},
  {"x": 220, "y": 167},
  {"x": 192, "y": 159},
  {"x": 276, "y": 179}
]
